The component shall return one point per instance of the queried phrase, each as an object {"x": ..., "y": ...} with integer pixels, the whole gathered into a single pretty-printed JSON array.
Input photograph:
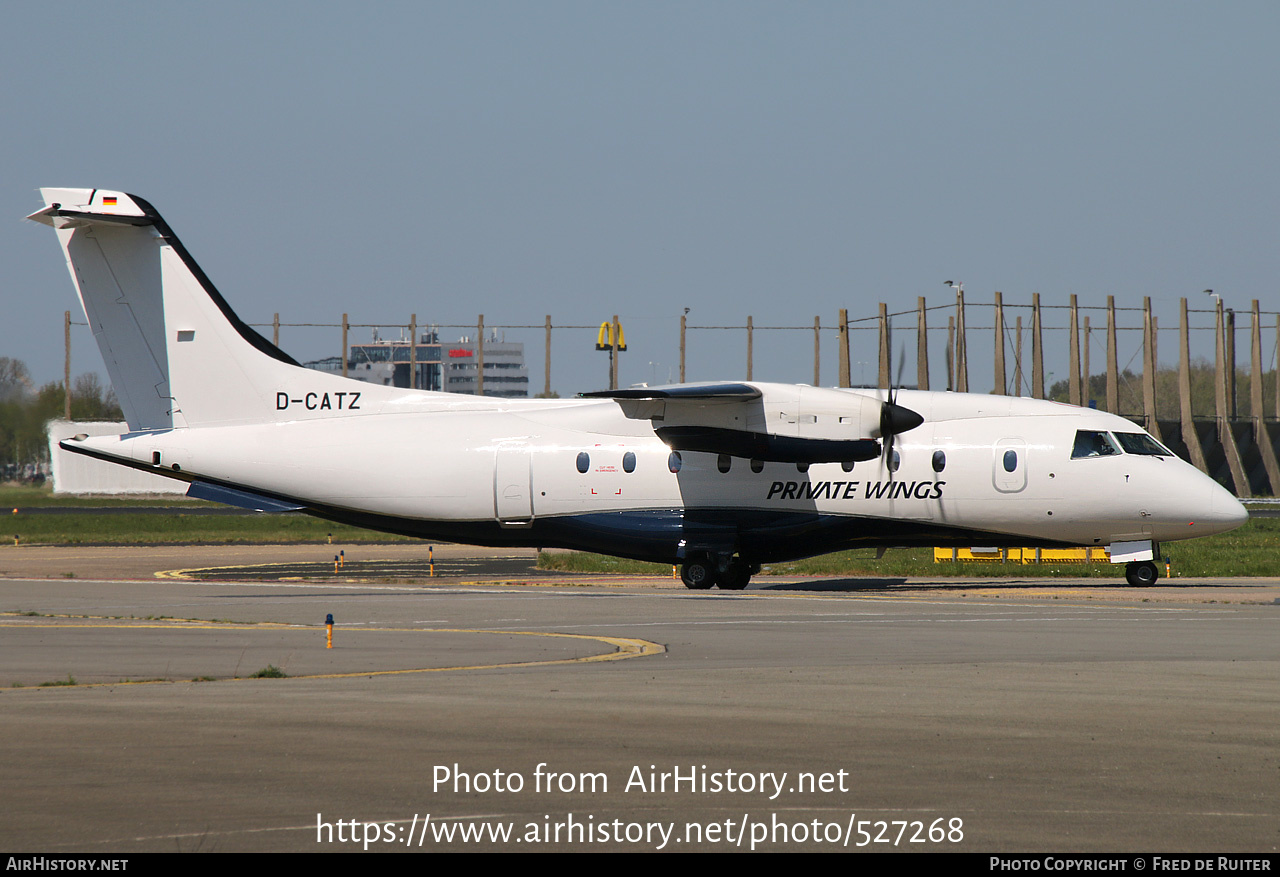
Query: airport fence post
[
  {"x": 885, "y": 377},
  {"x": 1189, "y": 435},
  {"x": 1002, "y": 386},
  {"x": 922, "y": 346},
  {"x": 683, "y": 320},
  {"x": 66, "y": 366},
  {"x": 1017, "y": 358},
  {"x": 1113, "y": 366},
  {"x": 546, "y": 389},
  {"x": 1226, "y": 363},
  {"x": 817, "y": 343},
  {"x": 1219, "y": 363},
  {"x": 844, "y": 348},
  {"x": 1149, "y": 370},
  {"x": 951, "y": 352},
  {"x": 1073, "y": 365},
  {"x": 1155, "y": 341},
  {"x": 1233, "y": 410},
  {"x": 1037, "y": 349},
  {"x": 1087, "y": 389},
  {"x": 614, "y": 340},
  {"x": 1256, "y": 406}
]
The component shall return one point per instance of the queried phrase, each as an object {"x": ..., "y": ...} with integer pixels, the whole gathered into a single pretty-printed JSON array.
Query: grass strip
[
  {"x": 118, "y": 529},
  {"x": 23, "y": 496}
]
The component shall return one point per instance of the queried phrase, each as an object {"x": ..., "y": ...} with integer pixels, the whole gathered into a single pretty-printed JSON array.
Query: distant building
[
  {"x": 76, "y": 473},
  {"x": 451, "y": 367}
]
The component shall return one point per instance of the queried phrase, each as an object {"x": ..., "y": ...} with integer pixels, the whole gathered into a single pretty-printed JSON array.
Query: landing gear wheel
[
  {"x": 736, "y": 577},
  {"x": 1141, "y": 574},
  {"x": 697, "y": 575}
]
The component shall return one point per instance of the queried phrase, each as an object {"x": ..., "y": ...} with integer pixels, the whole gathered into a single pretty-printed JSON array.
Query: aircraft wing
[
  {"x": 773, "y": 422},
  {"x": 764, "y": 446},
  {"x": 688, "y": 392}
]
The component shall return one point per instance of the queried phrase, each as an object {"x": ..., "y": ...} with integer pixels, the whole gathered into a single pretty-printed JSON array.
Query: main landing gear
[
  {"x": 1141, "y": 573},
  {"x": 701, "y": 573}
]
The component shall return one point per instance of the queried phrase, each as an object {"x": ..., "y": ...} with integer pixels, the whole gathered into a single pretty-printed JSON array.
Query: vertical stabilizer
[{"x": 177, "y": 354}]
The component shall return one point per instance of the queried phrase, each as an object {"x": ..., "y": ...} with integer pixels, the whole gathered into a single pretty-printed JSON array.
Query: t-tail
[{"x": 178, "y": 356}]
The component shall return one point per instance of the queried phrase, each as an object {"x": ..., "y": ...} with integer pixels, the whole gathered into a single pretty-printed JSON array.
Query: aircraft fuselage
[{"x": 580, "y": 474}]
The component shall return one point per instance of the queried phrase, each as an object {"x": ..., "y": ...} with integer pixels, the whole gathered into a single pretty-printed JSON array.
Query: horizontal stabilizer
[
  {"x": 243, "y": 499},
  {"x": 78, "y": 208}
]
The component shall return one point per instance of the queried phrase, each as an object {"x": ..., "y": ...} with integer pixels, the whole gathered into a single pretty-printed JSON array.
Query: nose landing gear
[{"x": 1141, "y": 574}]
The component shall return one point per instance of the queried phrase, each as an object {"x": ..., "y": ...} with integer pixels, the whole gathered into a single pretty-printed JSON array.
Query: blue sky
[{"x": 782, "y": 160}]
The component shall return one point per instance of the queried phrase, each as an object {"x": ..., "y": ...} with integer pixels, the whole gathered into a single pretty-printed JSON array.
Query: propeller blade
[{"x": 894, "y": 418}]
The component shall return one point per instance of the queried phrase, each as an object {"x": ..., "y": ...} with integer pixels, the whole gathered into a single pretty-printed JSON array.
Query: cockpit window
[
  {"x": 1141, "y": 443},
  {"x": 1091, "y": 443}
]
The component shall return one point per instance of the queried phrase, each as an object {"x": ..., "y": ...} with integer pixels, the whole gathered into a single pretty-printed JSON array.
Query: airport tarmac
[{"x": 801, "y": 714}]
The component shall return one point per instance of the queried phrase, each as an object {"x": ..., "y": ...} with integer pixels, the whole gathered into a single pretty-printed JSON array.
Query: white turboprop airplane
[{"x": 718, "y": 477}]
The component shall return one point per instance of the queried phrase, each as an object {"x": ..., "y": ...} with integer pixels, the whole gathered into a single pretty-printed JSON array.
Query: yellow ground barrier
[{"x": 1022, "y": 555}]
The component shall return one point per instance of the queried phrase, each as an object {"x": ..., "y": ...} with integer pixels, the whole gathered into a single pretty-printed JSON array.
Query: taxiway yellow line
[{"x": 623, "y": 647}]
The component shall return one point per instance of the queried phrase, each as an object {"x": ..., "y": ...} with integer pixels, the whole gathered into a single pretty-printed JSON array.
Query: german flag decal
[{"x": 108, "y": 201}]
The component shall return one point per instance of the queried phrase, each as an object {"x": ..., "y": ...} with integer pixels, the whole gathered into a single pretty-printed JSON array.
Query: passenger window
[
  {"x": 628, "y": 462},
  {"x": 895, "y": 460},
  {"x": 939, "y": 461},
  {"x": 584, "y": 462},
  {"x": 724, "y": 462},
  {"x": 674, "y": 461},
  {"x": 847, "y": 466},
  {"x": 1010, "y": 460},
  {"x": 802, "y": 467},
  {"x": 757, "y": 466},
  {"x": 1093, "y": 443}
]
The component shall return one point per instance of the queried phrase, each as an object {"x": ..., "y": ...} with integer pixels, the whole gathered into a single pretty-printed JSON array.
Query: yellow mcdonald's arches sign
[{"x": 604, "y": 341}]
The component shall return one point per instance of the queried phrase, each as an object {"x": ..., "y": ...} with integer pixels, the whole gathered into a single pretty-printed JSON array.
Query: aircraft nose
[
  {"x": 1228, "y": 512},
  {"x": 1220, "y": 513},
  {"x": 1198, "y": 505}
]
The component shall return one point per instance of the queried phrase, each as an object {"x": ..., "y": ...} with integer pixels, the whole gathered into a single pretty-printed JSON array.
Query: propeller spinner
[{"x": 896, "y": 418}]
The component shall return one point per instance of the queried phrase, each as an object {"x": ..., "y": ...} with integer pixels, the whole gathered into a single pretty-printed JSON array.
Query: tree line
[
  {"x": 1203, "y": 392},
  {"x": 25, "y": 408}
]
